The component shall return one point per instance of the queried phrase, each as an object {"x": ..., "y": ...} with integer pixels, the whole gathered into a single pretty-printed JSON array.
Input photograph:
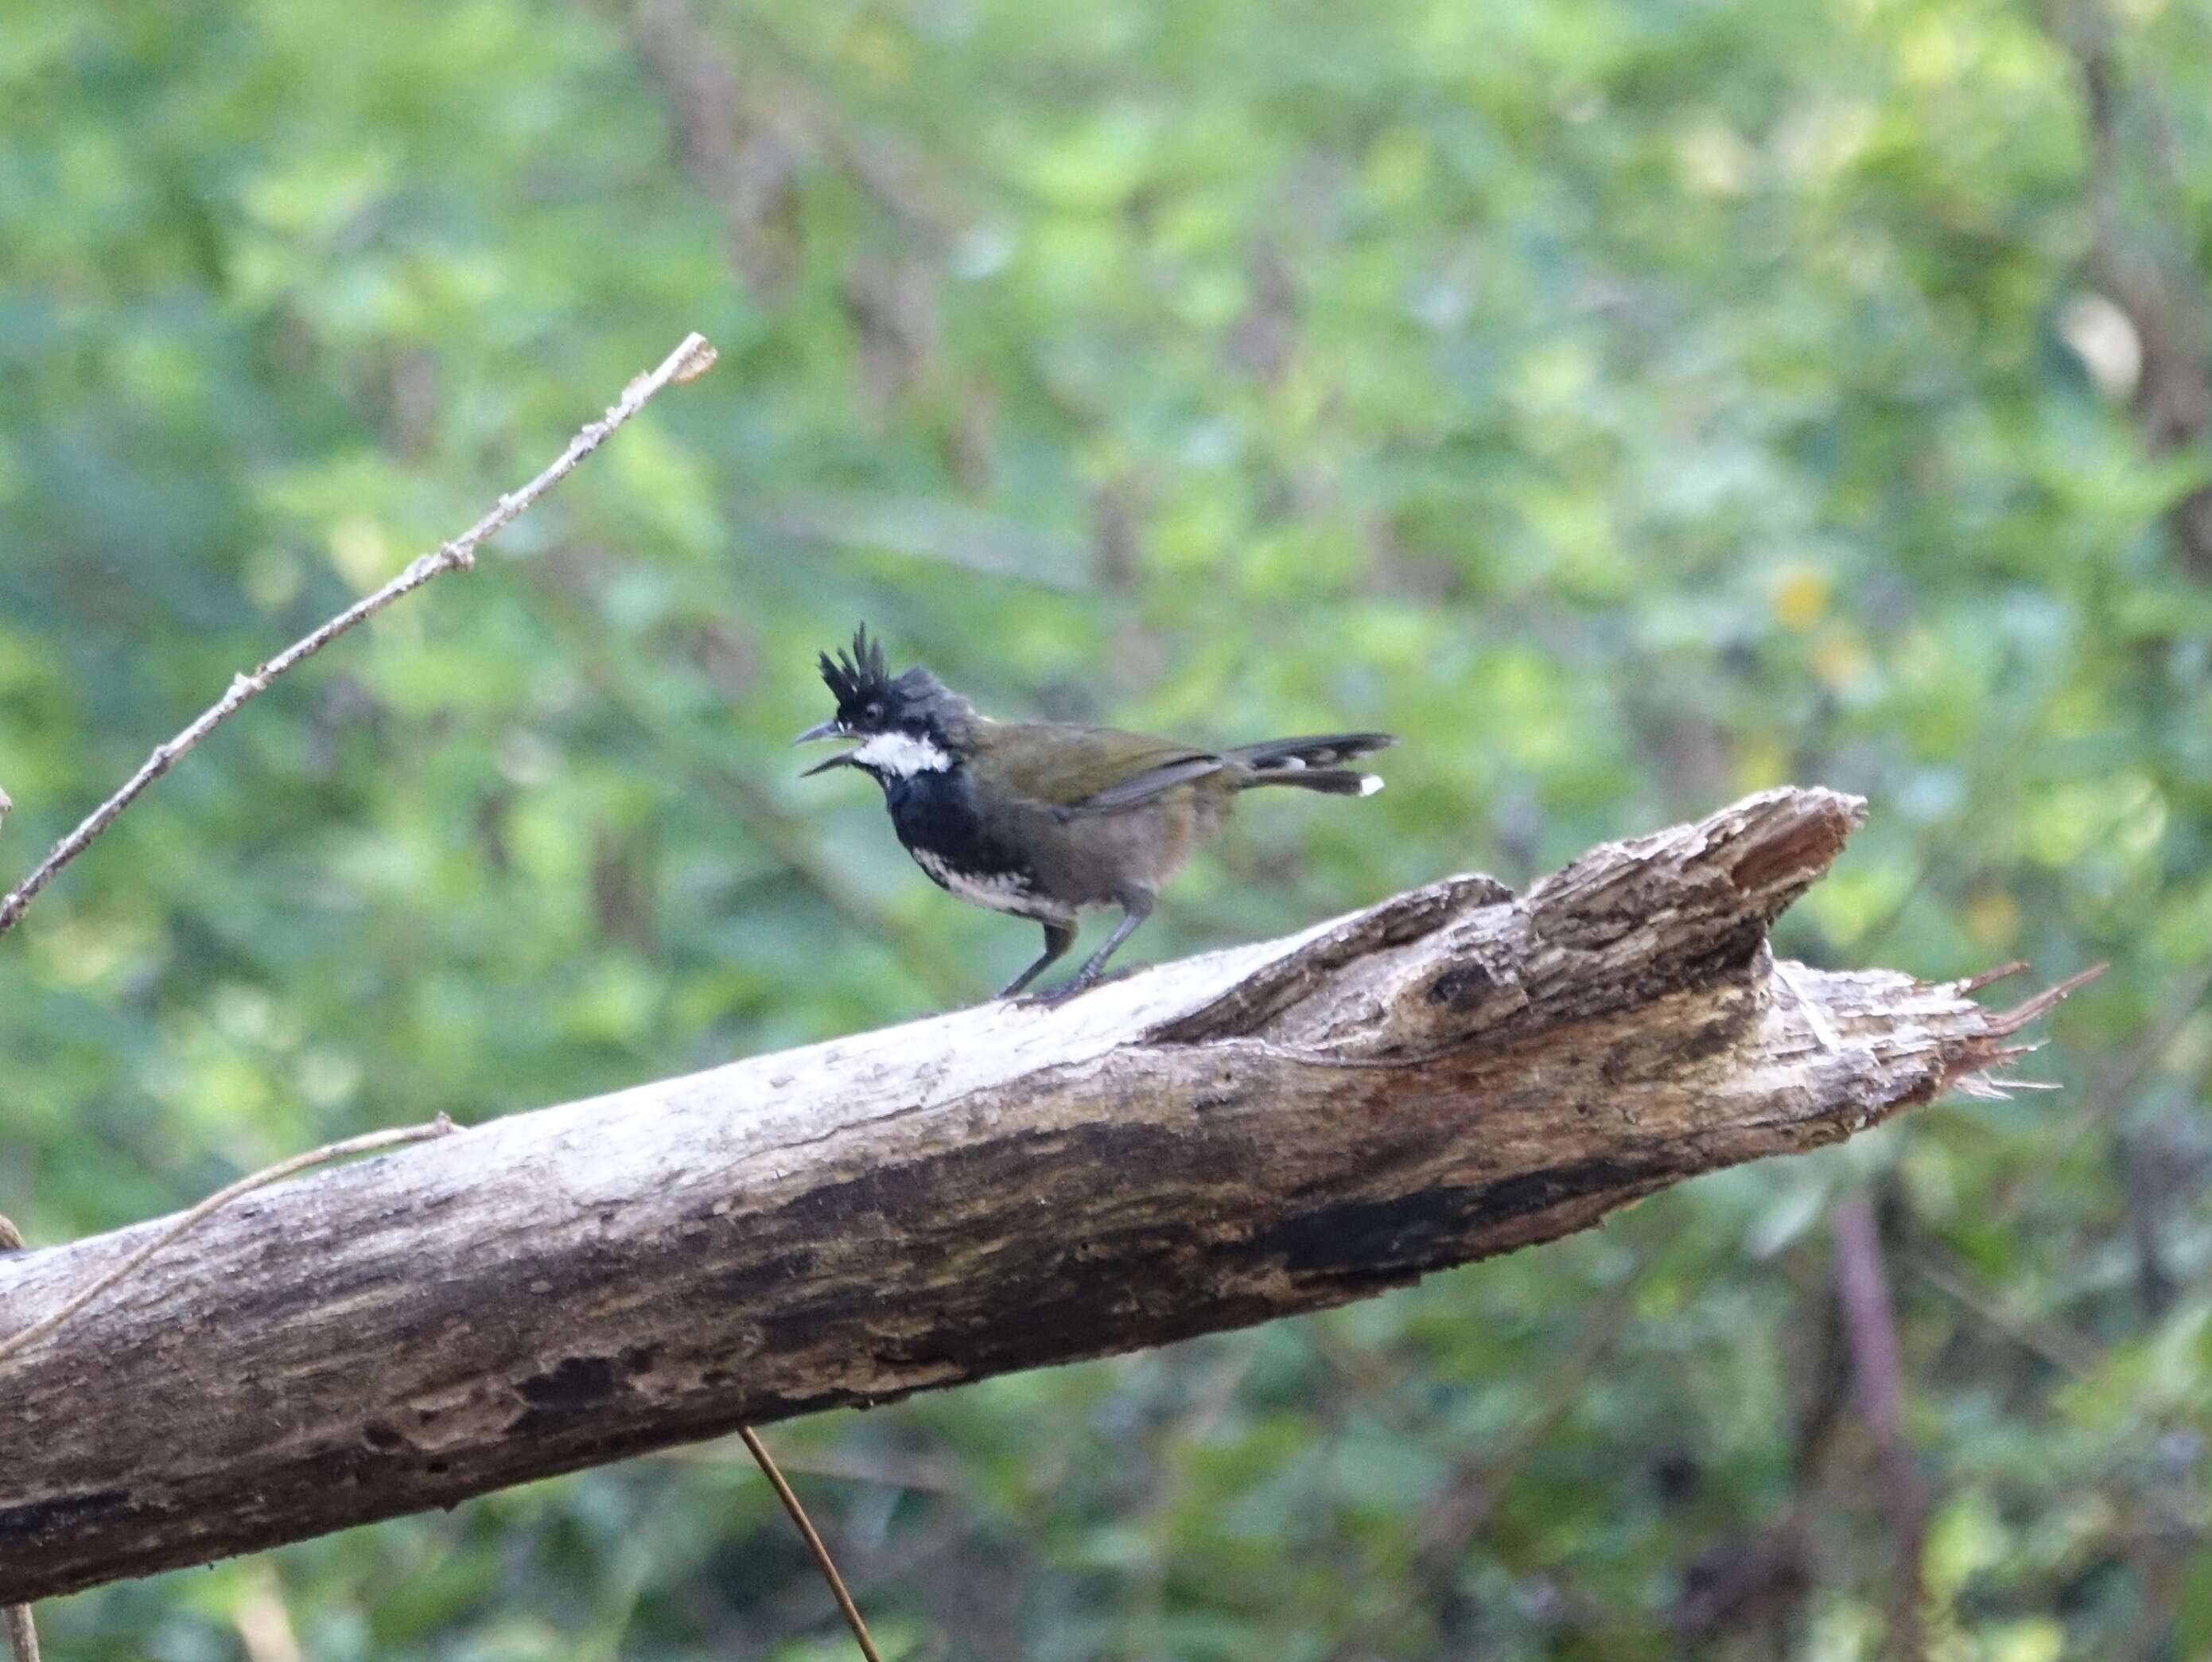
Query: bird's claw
[{"x": 1049, "y": 998}]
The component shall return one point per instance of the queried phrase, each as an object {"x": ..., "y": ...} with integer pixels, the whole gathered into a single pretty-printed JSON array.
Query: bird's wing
[
  {"x": 1080, "y": 770},
  {"x": 1147, "y": 784}
]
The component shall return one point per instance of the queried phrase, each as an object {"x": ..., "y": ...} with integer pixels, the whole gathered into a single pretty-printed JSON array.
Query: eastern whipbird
[{"x": 1046, "y": 818}]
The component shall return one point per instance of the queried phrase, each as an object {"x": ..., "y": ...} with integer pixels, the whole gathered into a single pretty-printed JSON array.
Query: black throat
[
  {"x": 936, "y": 811},
  {"x": 950, "y": 833}
]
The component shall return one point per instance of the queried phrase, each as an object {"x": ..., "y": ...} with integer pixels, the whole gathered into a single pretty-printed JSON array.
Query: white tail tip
[{"x": 1369, "y": 784}]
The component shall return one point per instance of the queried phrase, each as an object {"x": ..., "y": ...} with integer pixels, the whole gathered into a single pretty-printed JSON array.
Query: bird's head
[{"x": 906, "y": 724}]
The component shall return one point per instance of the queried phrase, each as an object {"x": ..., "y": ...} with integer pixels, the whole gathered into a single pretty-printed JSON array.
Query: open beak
[{"x": 829, "y": 729}]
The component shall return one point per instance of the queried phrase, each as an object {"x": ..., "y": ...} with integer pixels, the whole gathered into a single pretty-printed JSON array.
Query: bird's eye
[{"x": 875, "y": 712}]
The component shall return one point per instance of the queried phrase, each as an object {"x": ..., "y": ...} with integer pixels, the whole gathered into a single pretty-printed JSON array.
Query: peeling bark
[{"x": 1283, "y": 1127}]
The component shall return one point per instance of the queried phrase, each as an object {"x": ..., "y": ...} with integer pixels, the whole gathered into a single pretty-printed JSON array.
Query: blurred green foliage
[{"x": 1632, "y": 402}]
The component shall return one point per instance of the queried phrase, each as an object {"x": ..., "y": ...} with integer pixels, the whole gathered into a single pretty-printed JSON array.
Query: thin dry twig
[
  {"x": 2006, "y": 1023},
  {"x": 1973, "y": 1078},
  {"x": 822, "y": 1560},
  {"x": 1990, "y": 976},
  {"x": 371, "y": 1143},
  {"x": 691, "y": 359}
]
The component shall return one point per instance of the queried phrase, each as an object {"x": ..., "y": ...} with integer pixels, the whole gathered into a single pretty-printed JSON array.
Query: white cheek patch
[{"x": 902, "y": 755}]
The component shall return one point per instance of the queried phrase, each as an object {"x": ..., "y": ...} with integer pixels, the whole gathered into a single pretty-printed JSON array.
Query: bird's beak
[{"x": 829, "y": 729}]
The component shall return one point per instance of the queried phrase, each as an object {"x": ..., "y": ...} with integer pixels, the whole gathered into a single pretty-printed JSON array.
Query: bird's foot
[{"x": 1050, "y": 998}]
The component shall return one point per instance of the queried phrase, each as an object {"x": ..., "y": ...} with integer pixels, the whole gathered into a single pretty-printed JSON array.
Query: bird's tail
[{"x": 1308, "y": 763}]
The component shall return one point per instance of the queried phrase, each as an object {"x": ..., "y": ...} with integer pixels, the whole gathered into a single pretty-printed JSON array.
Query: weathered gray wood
[{"x": 1286, "y": 1126}]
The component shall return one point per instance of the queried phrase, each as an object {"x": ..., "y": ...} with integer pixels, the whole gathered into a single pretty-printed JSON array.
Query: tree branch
[
  {"x": 692, "y": 357},
  {"x": 1451, "y": 1073},
  {"x": 184, "y": 1222}
]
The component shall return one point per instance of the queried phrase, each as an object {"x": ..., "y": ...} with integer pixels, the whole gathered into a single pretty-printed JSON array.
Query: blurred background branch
[{"x": 1878, "y": 1372}]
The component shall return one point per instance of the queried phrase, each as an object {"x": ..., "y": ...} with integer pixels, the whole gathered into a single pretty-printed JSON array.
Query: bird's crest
[
  {"x": 870, "y": 698},
  {"x": 854, "y": 676}
]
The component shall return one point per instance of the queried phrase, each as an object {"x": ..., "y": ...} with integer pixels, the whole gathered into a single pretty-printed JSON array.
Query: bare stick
[
  {"x": 692, "y": 358},
  {"x": 822, "y": 1559},
  {"x": 371, "y": 1143}
]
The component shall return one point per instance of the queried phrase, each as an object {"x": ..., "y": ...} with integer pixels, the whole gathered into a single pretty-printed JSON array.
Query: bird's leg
[
  {"x": 1058, "y": 938},
  {"x": 1136, "y": 907}
]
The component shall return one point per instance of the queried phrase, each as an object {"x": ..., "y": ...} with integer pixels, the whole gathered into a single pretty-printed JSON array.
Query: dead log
[{"x": 1278, "y": 1128}]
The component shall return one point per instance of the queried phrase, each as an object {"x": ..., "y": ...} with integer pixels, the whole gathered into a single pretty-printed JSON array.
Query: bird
[{"x": 1047, "y": 820}]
